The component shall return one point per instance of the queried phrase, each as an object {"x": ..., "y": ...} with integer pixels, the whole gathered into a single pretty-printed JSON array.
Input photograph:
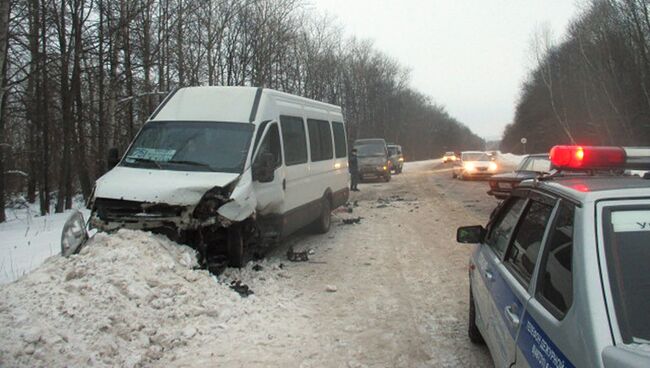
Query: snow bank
[
  {"x": 28, "y": 239},
  {"x": 510, "y": 159},
  {"x": 130, "y": 299},
  {"x": 418, "y": 165}
]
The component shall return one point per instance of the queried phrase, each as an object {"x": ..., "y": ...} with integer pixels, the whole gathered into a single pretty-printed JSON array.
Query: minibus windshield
[
  {"x": 370, "y": 149},
  {"x": 191, "y": 146}
]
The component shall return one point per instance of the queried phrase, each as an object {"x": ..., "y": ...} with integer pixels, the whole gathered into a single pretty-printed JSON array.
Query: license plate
[{"x": 504, "y": 185}]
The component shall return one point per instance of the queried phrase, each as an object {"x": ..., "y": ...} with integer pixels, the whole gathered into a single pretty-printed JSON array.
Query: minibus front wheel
[{"x": 235, "y": 246}]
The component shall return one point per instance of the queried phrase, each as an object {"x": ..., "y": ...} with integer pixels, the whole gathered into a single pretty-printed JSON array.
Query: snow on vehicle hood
[{"x": 159, "y": 186}]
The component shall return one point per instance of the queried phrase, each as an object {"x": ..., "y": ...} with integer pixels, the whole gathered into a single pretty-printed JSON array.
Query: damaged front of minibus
[{"x": 186, "y": 175}]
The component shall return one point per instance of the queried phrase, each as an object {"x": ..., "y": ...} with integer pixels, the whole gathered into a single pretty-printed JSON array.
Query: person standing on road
[{"x": 354, "y": 170}]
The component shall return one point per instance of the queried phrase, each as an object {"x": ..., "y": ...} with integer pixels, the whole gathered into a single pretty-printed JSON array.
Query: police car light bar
[{"x": 595, "y": 157}]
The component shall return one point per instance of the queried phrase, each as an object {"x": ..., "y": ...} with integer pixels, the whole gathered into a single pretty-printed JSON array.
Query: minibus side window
[
  {"x": 340, "y": 146},
  {"x": 320, "y": 140},
  {"x": 294, "y": 140},
  {"x": 271, "y": 143}
]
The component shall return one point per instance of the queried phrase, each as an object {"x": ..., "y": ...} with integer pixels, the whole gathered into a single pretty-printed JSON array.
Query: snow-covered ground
[
  {"x": 131, "y": 299},
  {"x": 27, "y": 239},
  {"x": 418, "y": 165},
  {"x": 390, "y": 291}
]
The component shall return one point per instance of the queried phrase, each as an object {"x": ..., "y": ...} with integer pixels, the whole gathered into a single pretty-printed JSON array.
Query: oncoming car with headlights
[
  {"x": 559, "y": 276},
  {"x": 224, "y": 169},
  {"x": 474, "y": 164}
]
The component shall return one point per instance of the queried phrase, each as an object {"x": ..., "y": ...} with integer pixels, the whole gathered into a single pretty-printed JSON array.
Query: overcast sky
[{"x": 469, "y": 55}]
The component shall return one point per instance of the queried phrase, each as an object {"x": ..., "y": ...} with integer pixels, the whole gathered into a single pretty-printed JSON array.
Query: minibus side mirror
[
  {"x": 264, "y": 168},
  {"x": 470, "y": 234},
  {"x": 113, "y": 157}
]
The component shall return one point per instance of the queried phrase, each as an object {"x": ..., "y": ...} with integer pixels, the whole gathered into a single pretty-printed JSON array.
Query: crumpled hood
[{"x": 159, "y": 186}]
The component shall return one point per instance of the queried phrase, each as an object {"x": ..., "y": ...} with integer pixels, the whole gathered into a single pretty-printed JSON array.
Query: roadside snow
[
  {"x": 417, "y": 165},
  {"x": 133, "y": 299},
  {"x": 511, "y": 159},
  {"x": 28, "y": 239}
]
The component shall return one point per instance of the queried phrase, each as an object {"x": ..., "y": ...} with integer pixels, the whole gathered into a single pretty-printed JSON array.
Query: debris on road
[
  {"x": 331, "y": 288},
  {"x": 242, "y": 289},
  {"x": 258, "y": 268},
  {"x": 294, "y": 256},
  {"x": 350, "y": 221}
]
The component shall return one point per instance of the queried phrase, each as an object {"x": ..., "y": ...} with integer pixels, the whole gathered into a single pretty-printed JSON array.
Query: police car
[{"x": 561, "y": 273}]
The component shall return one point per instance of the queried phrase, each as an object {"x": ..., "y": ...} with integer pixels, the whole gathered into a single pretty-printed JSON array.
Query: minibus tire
[
  {"x": 235, "y": 247},
  {"x": 324, "y": 221},
  {"x": 472, "y": 331}
]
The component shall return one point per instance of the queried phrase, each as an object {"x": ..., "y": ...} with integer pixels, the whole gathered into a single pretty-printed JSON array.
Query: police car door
[
  {"x": 544, "y": 325},
  {"x": 487, "y": 287},
  {"x": 513, "y": 276}
]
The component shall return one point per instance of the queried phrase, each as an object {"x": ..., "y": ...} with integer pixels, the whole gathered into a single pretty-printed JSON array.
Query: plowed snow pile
[{"x": 135, "y": 299}]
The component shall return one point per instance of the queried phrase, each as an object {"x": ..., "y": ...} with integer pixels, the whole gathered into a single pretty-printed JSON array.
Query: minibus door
[{"x": 268, "y": 175}]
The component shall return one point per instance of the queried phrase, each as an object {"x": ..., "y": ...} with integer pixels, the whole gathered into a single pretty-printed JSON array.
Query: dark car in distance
[{"x": 530, "y": 167}]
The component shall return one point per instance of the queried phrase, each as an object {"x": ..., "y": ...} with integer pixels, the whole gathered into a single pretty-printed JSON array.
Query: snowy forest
[
  {"x": 82, "y": 76},
  {"x": 593, "y": 87}
]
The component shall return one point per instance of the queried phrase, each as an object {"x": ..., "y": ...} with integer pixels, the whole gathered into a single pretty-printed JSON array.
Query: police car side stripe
[{"x": 538, "y": 348}]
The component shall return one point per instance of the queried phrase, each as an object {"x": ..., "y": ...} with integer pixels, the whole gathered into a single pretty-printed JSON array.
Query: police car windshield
[
  {"x": 191, "y": 146},
  {"x": 627, "y": 244}
]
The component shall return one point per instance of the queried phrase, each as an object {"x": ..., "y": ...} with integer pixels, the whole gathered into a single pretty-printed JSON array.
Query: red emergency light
[{"x": 588, "y": 157}]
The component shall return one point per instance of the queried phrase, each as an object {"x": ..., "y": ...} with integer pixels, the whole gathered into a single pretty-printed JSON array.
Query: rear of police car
[
  {"x": 560, "y": 276},
  {"x": 610, "y": 321}
]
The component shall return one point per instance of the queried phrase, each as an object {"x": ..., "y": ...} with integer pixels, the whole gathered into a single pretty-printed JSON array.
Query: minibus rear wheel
[{"x": 322, "y": 224}]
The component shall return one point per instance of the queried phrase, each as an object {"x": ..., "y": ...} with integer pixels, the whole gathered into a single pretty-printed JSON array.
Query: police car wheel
[
  {"x": 235, "y": 247},
  {"x": 473, "y": 331}
]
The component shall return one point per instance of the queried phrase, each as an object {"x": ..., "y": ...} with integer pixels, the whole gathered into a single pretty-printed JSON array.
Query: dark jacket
[{"x": 353, "y": 163}]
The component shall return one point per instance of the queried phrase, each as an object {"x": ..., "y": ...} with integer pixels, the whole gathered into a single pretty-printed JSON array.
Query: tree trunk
[
  {"x": 80, "y": 146},
  {"x": 44, "y": 183},
  {"x": 4, "y": 40}
]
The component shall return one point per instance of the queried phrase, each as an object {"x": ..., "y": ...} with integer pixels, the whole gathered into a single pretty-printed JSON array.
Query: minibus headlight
[{"x": 74, "y": 234}]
